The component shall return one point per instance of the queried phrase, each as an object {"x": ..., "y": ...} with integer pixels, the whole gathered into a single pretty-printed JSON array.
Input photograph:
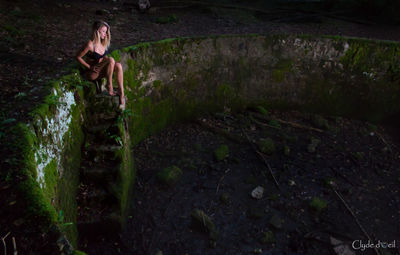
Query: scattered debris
[
  {"x": 258, "y": 192},
  {"x": 276, "y": 221},
  {"x": 340, "y": 247},
  {"x": 225, "y": 200}
]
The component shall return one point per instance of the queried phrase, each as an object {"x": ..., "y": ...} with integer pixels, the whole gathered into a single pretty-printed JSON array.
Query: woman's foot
[
  {"x": 112, "y": 93},
  {"x": 122, "y": 102}
]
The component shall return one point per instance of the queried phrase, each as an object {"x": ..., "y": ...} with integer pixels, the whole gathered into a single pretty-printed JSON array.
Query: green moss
[
  {"x": 71, "y": 160},
  {"x": 281, "y": 68},
  {"x": 76, "y": 252},
  {"x": 225, "y": 93},
  {"x": 204, "y": 223},
  {"x": 267, "y": 237},
  {"x": 262, "y": 110},
  {"x": 157, "y": 84},
  {"x": 318, "y": 204},
  {"x": 139, "y": 46},
  {"x": 170, "y": 175},
  {"x": 50, "y": 179},
  {"x": 38, "y": 205},
  {"x": 266, "y": 145},
  {"x": 127, "y": 173},
  {"x": 41, "y": 110},
  {"x": 172, "y": 18},
  {"x": 44, "y": 203},
  {"x": 116, "y": 54},
  {"x": 278, "y": 75},
  {"x": 274, "y": 123},
  {"x": 364, "y": 55},
  {"x": 221, "y": 152}
]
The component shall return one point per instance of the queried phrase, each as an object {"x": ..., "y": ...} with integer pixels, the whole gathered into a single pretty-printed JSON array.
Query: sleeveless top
[{"x": 94, "y": 55}]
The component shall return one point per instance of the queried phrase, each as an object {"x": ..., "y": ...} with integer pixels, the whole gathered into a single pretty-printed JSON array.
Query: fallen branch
[
  {"x": 356, "y": 219},
  {"x": 344, "y": 177},
  {"x": 4, "y": 243},
  {"x": 219, "y": 131},
  {"x": 263, "y": 124},
  {"x": 296, "y": 125},
  {"x": 15, "y": 246},
  {"x": 262, "y": 157},
  {"x": 384, "y": 141},
  {"x": 220, "y": 180}
]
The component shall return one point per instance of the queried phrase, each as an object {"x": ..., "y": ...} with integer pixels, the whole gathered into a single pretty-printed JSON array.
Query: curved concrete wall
[
  {"x": 182, "y": 78},
  {"x": 177, "y": 78}
]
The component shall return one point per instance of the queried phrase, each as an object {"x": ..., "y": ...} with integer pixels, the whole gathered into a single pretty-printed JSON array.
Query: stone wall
[
  {"x": 180, "y": 78},
  {"x": 50, "y": 158}
]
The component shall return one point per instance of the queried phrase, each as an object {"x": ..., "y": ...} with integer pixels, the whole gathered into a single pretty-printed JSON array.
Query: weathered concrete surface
[
  {"x": 337, "y": 76},
  {"x": 182, "y": 78}
]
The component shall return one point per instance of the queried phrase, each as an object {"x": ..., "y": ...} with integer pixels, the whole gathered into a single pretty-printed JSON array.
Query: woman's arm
[{"x": 81, "y": 53}]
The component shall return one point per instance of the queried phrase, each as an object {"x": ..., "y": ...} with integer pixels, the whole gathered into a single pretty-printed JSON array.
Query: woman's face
[{"x": 103, "y": 32}]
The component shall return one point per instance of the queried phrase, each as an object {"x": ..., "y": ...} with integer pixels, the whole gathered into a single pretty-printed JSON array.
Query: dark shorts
[{"x": 97, "y": 71}]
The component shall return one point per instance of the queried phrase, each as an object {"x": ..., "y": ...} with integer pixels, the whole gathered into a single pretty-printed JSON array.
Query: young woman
[{"x": 97, "y": 64}]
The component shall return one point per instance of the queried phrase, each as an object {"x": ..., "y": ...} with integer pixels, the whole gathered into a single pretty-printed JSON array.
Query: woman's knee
[
  {"x": 118, "y": 66},
  {"x": 111, "y": 61}
]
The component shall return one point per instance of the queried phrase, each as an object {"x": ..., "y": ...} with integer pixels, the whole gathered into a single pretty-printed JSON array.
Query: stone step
[
  {"x": 102, "y": 155},
  {"x": 95, "y": 196},
  {"x": 102, "y": 126},
  {"x": 104, "y": 102},
  {"x": 99, "y": 226},
  {"x": 104, "y": 148},
  {"x": 99, "y": 117},
  {"x": 100, "y": 159},
  {"x": 99, "y": 173}
]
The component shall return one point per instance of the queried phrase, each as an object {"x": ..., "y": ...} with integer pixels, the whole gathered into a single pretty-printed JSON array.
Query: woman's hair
[{"x": 96, "y": 35}]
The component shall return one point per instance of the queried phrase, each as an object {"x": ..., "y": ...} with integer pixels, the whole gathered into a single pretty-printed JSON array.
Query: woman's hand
[{"x": 95, "y": 68}]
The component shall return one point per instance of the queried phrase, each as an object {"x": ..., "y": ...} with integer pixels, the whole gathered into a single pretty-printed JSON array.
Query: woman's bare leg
[
  {"x": 110, "y": 71},
  {"x": 120, "y": 80}
]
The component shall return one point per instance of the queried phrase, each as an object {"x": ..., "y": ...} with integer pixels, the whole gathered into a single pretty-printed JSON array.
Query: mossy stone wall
[
  {"x": 181, "y": 78},
  {"x": 52, "y": 142},
  {"x": 177, "y": 79}
]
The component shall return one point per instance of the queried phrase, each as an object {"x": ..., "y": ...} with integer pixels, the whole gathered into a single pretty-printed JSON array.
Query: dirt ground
[
  {"x": 39, "y": 38},
  {"x": 353, "y": 164}
]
